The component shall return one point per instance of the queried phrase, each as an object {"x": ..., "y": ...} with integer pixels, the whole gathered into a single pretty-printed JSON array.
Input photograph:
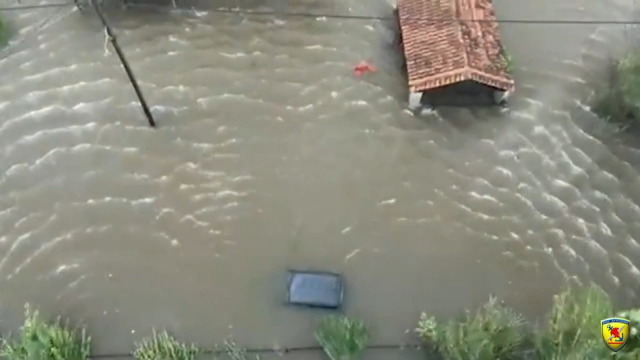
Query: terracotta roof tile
[{"x": 447, "y": 51}]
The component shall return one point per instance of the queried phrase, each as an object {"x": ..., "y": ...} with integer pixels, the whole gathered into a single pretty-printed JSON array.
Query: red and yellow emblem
[{"x": 615, "y": 332}]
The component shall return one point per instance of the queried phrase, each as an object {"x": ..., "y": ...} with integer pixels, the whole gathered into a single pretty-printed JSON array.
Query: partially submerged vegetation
[
  {"x": 494, "y": 331},
  {"x": 164, "y": 346},
  {"x": 507, "y": 60},
  {"x": 619, "y": 101},
  {"x": 4, "y": 32},
  {"x": 342, "y": 338},
  {"x": 39, "y": 340},
  {"x": 42, "y": 340},
  {"x": 571, "y": 331}
]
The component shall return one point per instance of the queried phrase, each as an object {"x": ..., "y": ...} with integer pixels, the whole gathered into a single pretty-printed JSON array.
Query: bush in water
[
  {"x": 38, "y": 340},
  {"x": 572, "y": 331},
  {"x": 496, "y": 332},
  {"x": 164, "y": 346},
  {"x": 493, "y": 332},
  {"x": 507, "y": 60},
  {"x": 342, "y": 338},
  {"x": 634, "y": 337},
  {"x": 619, "y": 103},
  {"x": 4, "y": 32}
]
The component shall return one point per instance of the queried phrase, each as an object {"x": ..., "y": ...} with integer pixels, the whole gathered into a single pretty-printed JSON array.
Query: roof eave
[{"x": 501, "y": 82}]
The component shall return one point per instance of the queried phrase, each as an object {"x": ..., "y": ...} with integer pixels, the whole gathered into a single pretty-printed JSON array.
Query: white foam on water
[
  {"x": 38, "y": 136},
  {"x": 484, "y": 197}
]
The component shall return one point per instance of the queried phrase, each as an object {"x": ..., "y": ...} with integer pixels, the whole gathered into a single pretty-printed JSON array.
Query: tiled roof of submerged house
[{"x": 445, "y": 51}]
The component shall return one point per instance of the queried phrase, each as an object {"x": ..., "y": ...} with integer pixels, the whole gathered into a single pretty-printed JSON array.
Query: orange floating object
[{"x": 362, "y": 68}]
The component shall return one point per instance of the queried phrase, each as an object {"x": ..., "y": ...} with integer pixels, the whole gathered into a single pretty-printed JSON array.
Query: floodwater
[{"x": 269, "y": 155}]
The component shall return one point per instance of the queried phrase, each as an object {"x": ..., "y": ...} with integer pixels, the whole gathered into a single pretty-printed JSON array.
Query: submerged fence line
[{"x": 273, "y": 350}]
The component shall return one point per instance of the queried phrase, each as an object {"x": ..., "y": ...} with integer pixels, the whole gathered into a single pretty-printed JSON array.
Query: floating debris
[
  {"x": 362, "y": 68},
  {"x": 351, "y": 254}
]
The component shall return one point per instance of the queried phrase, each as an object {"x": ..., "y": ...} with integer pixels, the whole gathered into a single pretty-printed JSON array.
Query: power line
[
  {"x": 388, "y": 18},
  {"x": 355, "y": 17},
  {"x": 31, "y": 7},
  {"x": 38, "y": 28}
]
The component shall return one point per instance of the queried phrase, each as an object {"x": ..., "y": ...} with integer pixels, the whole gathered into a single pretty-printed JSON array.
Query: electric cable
[{"x": 355, "y": 17}]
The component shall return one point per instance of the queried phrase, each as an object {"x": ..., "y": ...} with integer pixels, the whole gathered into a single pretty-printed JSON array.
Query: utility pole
[{"x": 123, "y": 60}]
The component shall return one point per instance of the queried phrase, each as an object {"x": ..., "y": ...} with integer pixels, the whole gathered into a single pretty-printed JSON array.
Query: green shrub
[
  {"x": 342, "y": 338},
  {"x": 629, "y": 79},
  {"x": 572, "y": 330},
  {"x": 38, "y": 340},
  {"x": 162, "y": 346},
  {"x": 4, "y": 32},
  {"x": 619, "y": 102},
  {"x": 493, "y": 332},
  {"x": 507, "y": 60},
  {"x": 633, "y": 344}
]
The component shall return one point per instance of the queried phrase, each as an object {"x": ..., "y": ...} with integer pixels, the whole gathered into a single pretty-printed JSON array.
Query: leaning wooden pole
[{"x": 125, "y": 64}]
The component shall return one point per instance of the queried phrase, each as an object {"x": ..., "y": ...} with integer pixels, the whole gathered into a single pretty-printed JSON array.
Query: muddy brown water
[{"x": 269, "y": 155}]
